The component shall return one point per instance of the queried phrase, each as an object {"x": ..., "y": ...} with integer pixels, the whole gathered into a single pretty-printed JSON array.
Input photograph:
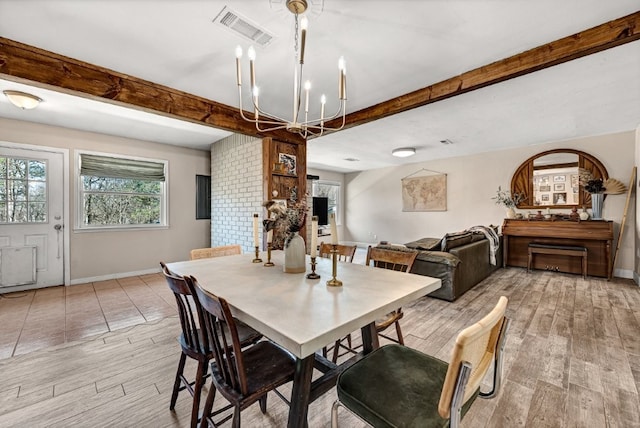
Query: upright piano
[{"x": 595, "y": 235}]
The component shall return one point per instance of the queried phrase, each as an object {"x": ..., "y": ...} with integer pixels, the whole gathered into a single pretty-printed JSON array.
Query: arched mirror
[{"x": 551, "y": 179}]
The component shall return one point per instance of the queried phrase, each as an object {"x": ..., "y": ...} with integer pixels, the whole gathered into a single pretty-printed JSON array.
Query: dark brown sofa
[{"x": 460, "y": 260}]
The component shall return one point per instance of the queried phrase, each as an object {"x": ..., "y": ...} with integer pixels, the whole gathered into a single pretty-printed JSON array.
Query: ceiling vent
[{"x": 240, "y": 25}]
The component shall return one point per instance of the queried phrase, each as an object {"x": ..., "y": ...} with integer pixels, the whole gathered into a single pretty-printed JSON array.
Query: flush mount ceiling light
[
  {"x": 300, "y": 122},
  {"x": 22, "y": 99},
  {"x": 404, "y": 152}
]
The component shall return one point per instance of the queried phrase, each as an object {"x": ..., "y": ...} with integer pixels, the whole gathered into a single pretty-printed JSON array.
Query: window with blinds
[{"x": 120, "y": 192}]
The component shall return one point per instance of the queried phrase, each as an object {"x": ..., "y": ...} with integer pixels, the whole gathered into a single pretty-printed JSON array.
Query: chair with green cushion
[{"x": 396, "y": 386}]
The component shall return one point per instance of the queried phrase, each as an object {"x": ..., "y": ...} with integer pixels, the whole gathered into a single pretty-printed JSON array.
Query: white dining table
[{"x": 303, "y": 315}]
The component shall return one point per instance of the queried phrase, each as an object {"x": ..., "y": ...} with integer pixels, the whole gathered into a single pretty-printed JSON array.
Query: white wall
[
  {"x": 110, "y": 254},
  {"x": 236, "y": 190},
  {"x": 374, "y": 202},
  {"x": 636, "y": 236}
]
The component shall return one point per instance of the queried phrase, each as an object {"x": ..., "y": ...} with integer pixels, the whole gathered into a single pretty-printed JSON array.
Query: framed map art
[{"x": 425, "y": 193}]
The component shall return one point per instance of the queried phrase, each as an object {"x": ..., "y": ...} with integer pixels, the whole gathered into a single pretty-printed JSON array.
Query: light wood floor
[
  {"x": 572, "y": 360},
  {"x": 37, "y": 319}
]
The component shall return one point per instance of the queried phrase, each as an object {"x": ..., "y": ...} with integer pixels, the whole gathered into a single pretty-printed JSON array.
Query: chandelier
[{"x": 300, "y": 122}]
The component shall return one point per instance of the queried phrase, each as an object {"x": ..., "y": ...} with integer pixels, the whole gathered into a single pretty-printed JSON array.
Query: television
[{"x": 321, "y": 209}]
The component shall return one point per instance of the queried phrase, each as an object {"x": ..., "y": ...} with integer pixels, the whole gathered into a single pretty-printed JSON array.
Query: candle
[
  {"x": 304, "y": 23},
  {"x": 270, "y": 236},
  {"x": 255, "y": 230},
  {"x": 238, "y": 73},
  {"x": 341, "y": 79},
  {"x": 252, "y": 56},
  {"x": 334, "y": 229},
  {"x": 314, "y": 236}
]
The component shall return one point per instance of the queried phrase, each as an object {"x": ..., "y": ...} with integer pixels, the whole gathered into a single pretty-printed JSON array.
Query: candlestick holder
[
  {"x": 257, "y": 259},
  {"x": 334, "y": 282},
  {"x": 313, "y": 274},
  {"x": 269, "y": 263}
]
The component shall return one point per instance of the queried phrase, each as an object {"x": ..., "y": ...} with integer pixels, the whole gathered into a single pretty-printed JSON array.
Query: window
[
  {"x": 118, "y": 192},
  {"x": 329, "y": 190},
  {"x": 203, "y": 197},
  {"x": 23, "y": 190}
]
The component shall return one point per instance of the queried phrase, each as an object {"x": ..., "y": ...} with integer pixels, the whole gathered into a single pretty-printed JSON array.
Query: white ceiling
[{"x": 391, "y": 48}]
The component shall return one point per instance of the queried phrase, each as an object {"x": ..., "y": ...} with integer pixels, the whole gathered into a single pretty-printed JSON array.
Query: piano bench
[{"x": 559, "y": 250}]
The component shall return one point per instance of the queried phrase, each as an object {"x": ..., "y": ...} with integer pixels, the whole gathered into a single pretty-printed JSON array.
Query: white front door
[{"x": 31, "y": 217}]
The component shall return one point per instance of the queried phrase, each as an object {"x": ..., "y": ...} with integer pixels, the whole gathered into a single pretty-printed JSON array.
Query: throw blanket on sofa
[{"x": 492, "y": 236}]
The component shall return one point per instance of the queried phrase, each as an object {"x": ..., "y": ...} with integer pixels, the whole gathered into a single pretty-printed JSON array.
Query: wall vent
[{"x": 240, "y": 25}]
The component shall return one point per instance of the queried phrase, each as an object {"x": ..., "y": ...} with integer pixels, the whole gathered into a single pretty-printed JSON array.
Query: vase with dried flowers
[
  {"x": 285, "y": 223},
  {"x": 508, "y": 200},
  {"x": 595, "y": 187}
]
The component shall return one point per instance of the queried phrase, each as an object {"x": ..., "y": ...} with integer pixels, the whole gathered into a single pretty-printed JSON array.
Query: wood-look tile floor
[
  {"x": 572, "y": 360},
  {"x": 37, "y": 319}
]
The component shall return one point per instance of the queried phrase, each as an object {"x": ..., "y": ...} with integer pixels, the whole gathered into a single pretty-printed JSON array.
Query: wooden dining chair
[
  {"x": 243, "y": 376},
  {"x": 223, "y": 250},
  {"x": 387, "y": 259},
  {"x": 396, "y": 386},
  {"x": 346, "y": 253},
  {"x": 394, "y": 260},
  {"x": 192, "y": 344}
]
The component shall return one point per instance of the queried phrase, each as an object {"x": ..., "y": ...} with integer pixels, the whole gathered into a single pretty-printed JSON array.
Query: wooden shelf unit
[
  {"x": 283, "y": 182},
  {"x": 595, "y": 235}
]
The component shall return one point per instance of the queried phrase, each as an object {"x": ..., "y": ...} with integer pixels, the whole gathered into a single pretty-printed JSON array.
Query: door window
[{"x": 23, "y": 190}]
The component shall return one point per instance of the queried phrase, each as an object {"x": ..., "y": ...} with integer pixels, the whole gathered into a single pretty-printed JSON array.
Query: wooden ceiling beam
[
  {"x": 597, "y": 39},
  {"x": 33, "y": 64}
]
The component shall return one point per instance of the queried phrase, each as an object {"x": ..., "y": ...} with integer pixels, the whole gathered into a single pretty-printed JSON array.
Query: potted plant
[{"x": 508, "y": 200}]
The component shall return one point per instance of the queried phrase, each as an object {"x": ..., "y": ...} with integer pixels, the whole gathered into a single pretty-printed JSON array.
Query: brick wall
[{"x": 236, "y": 190}]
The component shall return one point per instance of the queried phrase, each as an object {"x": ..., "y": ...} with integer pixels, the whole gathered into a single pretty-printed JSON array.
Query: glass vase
[
  {"x": 294, "y": 255},
  {"x": 597, "y": 200}
]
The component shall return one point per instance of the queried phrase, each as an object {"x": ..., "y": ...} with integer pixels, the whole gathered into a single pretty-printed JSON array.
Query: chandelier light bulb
[
  {"x": 341, "y": 64},
  {"x": 256, "y": 91},
  {"x": 307, "y": 85},
  {"x": 304, "y": 23},
  {"x": 251, "y": 53},
  {"x": 323, "y": 99},
  {"x": 238, "y": 51}
]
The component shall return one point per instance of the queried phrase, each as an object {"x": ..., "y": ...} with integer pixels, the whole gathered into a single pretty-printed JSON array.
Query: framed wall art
[
  {"x": 424, "y": 193},
  {"x": 559, "y": 198},
  {"x": 289, "y": 162}
]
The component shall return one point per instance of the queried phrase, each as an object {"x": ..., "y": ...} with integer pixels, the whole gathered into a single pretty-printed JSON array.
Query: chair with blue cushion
[{"x": 396, "y": 386}]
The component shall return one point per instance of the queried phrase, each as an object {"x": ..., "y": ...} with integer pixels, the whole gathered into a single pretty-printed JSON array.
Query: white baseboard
[
  {"x": 624, "y": 273},
  {"x": 636, "y": 278},
  {"x": 113, "y": 276},
  {"x": 360, "y": 244}
]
